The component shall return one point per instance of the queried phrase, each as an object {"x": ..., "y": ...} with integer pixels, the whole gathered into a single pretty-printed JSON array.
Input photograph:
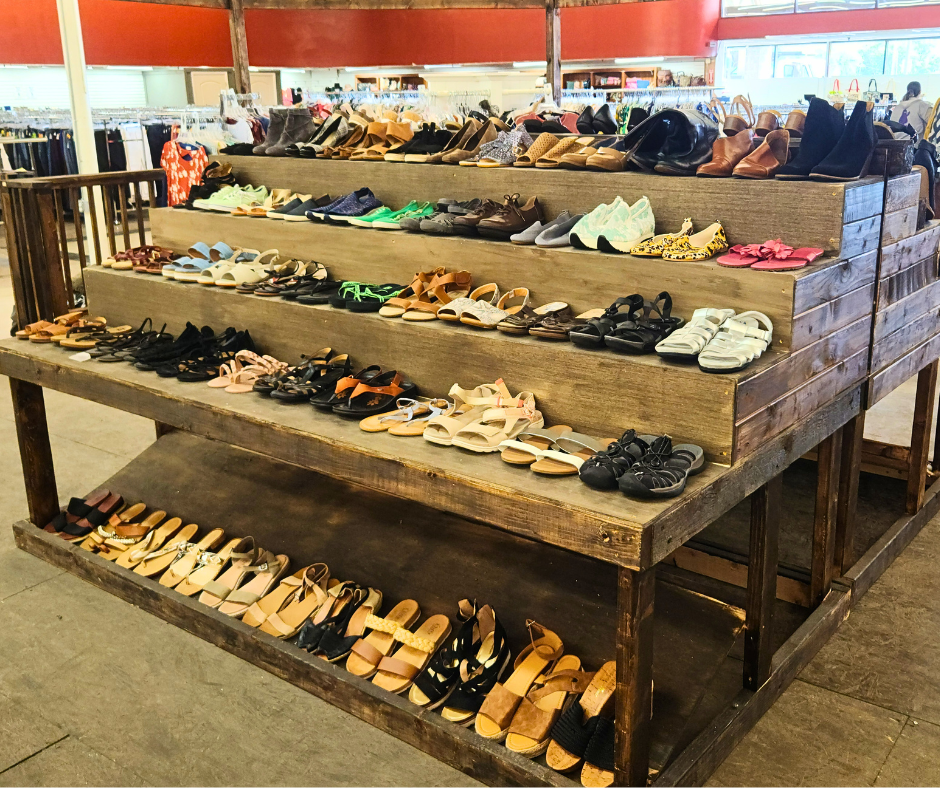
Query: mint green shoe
[
  {"x": 371, "y": 216},
  {"x": 414, "y": 210},
  {"x": 228, "y": 198},
  {"x": 584, "y": 234}
]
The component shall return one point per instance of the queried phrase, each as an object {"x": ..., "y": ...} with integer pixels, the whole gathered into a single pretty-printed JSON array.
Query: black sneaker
[
  {"x": 299, "y": 214},
  {"x": 433, "y": 141}
]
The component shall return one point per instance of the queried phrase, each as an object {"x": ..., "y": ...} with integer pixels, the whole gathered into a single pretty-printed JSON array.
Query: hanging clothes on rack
[{"x": 184, "y": 161}]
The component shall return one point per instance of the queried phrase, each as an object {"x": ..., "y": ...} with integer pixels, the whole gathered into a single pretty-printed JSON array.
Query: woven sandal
[
  {"x": 397, "y": 672},
  {"x": 572, "y": 733},
  {"x": 366, "y": 652}
]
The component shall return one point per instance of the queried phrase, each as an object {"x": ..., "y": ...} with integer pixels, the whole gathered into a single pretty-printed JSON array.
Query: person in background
[{"x": 912, "y": 110}]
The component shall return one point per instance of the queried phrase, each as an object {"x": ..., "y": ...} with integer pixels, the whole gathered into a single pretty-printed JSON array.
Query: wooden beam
[
  {"x": 920, "y": 436},
  {"x": 635, "y": 594},
  {"x": 236, "y": 24},
  {"x": 553, "y": 47},
  {"x": 824, "y": 522},
  {"x": 853, "y": 438},
  {"x": 766, "y": 506},
  {"x": 32, "y": 433},
  {"x": 197, "y": 3}
]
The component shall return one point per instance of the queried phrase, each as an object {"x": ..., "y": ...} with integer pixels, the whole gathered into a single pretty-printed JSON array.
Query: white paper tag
[{"x": 83, "y": 356}]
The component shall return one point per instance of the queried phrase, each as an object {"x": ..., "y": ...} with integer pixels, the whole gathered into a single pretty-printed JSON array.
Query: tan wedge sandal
[
  {"x": 369, "y": 650},
  {"x": 397, "y": 672}
]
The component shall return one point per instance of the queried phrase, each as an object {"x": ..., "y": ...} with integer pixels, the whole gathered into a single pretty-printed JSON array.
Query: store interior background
[{"x": 148, "y": 55}]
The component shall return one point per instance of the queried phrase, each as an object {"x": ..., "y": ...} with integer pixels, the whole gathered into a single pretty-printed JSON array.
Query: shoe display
[
  {"x": 298, "y": 127},
  {"x": 767, "y": 159},
  {"x": 626, "y": 226},
  {"x": 701, "y": 246},
  {"x": 822, "y": 130},
  {"x": 849, "y": 159},
  {"x": 278, "y": 117}
]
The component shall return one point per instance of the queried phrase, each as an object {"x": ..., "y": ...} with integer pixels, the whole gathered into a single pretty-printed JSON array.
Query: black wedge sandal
[
  {"x": 647, "y": 331},
  {"x": 435, "y": 684},
  {"x": 592, "y": 334}
]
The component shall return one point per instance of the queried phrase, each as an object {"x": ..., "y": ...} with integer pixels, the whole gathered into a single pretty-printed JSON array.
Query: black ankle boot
[
  {"x": 603, "y": 122},
  {"x": 275, "y": 130},
  {"x": 926, "y": 157},
  {"x": 821, "y": 132},
  {"x": 849, "y": 160}
]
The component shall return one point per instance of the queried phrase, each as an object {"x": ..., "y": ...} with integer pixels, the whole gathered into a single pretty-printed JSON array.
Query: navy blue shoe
[{"x": 359, "y": 203}]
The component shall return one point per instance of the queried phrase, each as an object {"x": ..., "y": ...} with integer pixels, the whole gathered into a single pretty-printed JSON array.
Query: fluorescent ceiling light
[
  {"x": 528, "y": 64},
  {"x": 129, "y": 68},
  {"x": 622, "y": 61},
  {"x": 441, "y": 66},
  {"x": 19, "y": 67}
]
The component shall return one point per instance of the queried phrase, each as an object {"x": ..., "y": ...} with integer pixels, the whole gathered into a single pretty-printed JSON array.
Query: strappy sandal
[
  {"x": 572, "y": 733},
  {"x": 568, "y": 453},
  {"x": 185, "y": 561},
  {"x": 398, "y": 305},
  {"x": 498, "y": 424},
  {"x": 341, "y": 598},
  {"x": 397, "y": 672},
  {"x": 274, "y": 601},
  {"x": 123, "y": 532},
  {"x": 684, "y": 344},
  {"x": 77, "y": 509},
  {"x": 470, "y": 405},
  {"x": 536, "y": 716},
  {"x": 260, "y": 579},
  {"x": 265, "y": 384},
  {"x": 377, "y": 396},
  {"x": 525, "y": 448},
  {"x": 209, "y": 564},
  {"x": 483, "y": 315},
  {"x": 98, "y": 515},
  {"x": 497, "y": 711},
  {"x": 592, "y": 333},
  {"x": 663, "y": 470},
  {"x": 740, "y": 340},
  {"x": 350, "y": 627},
  {"x": 452, "y": 312},
  {"x": 311, "y": 378},
  {"x": 153, "y": 540},
  {"x": 307, "y": 600},
  {"x": 647, "y": 331},
  {"x": 337, "y": 390},
  {"x": 125, "y": 515},
  {"x": 86, "y": 338},
  {"x": 520, "y": 322},
  {"x": 281, "y": 272},
  {"x": 410, "y": 419},
  {"x": 603, "y": 469},
  {"x": 559, "y": 324},
  {"x": 368, "y": 650},
  {"x": 440, "y": 292},
  {"x": 152, "y": 561},
  {"x": 736, "y": 121}
]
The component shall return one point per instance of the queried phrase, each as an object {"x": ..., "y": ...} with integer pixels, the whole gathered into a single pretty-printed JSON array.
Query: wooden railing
[{"x": 37, "y": 213}]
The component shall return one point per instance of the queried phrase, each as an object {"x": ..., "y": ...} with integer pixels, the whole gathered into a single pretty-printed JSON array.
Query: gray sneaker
[
  {"x": 438, "y": 223},
  {"x": 556, "y": 234},
  {"x": 528, "y": 236}
]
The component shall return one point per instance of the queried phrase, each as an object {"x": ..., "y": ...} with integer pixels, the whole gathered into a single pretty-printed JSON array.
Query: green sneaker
[
  {"x": 414, "y": 210},
  {"x": 228, "y": 198},
  {"x": 371, "y": 216}
]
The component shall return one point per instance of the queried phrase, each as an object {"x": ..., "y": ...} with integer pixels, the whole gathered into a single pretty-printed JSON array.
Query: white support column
[{"x": 73, "y": 51}]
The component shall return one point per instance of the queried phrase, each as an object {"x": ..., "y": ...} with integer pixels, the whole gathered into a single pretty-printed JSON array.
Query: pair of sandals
[
  {"x": 363, "y": 297},
  {"x": 369, "y": 392},
  {"x": 720, "y": 340},
  {"x": 44, "y": 330},
  {"x": 636, "y": 329},
  {"x": 239, "y": 375},
  {"x": 428, "y": 293},
  {"x": 138, "y": 255},
  {"x": 284, "y": 274},
  {"x": 555, "y": 451},
  {"x": 773, "y": 255},
  {"x": 315, "y": 375},
  {"x": 485, "y": 307},
  {"x": 410, "y": 418}
]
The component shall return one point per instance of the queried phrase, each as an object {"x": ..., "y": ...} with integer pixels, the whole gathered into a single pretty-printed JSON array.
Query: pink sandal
[
  {"x": 742, "y": 256},
  {"x": 786, "y": 258}
]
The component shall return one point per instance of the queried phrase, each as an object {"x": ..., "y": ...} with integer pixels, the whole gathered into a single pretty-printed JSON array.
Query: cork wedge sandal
[
  {"x": 572, "y": 733},
  {"x": 369, "y": 650}
]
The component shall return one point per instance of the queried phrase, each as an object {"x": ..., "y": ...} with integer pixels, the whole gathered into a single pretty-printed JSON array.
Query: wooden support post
[
  {"x": 553, "y": 47},
  {"x": 766, "y": 504},
  {"x": 32, "y": 433},
  {"x": 634, "y": 697},
  {"x": 824, "y": 522},
  {"x": 853, "y": 439},
  {"x": 920, "y": 436},
  {"x": 163, "y": 428},
  {"x": 236, "y": 23}
]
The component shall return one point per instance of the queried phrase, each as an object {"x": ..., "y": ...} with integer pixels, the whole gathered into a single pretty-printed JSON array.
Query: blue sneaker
[{"x": 359, "y": 203}]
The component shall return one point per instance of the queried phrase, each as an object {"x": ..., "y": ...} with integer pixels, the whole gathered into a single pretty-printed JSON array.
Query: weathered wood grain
[
  {"x": 886, "y": 381},
  {"x": 922, "y": 428},
  {"x": 814, "y": 324},
  {"x": 903, "y": 312},
  {"x": 890, "y": 348},
  {"x": 821, "y": 284},
  {"x": 829, "y": 458},
  {"x": 910, "y": 251},
  {"x": 766, "y": 386},
  {"x": 860, "y": 237},
  {"x": 32, "y": 434},
  {"x": 906, "y": 282},
  {"x": 806, "y": 210},
  {"x": 236, "y": 25},
  {"x": 897, "y": 225},
  {"x": 588, "y": 395},
  {"x": 583, "y": 279},
  {"x": 863, "y": 201},
  {"x": 799, "y": 403},
  {"x": 853, "y": 439},
  {"x": 902, "y": 192}
]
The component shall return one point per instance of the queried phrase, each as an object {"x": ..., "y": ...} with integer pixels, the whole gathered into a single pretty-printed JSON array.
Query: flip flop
[
  {"x": 568, "y": 453},
  {"x": 158, "y": 559}
]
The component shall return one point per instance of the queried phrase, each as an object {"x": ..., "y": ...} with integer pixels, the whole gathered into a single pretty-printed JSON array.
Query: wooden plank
[
  {"x": 759, "y": 390},
  {"x": 23, "y": 300},
  {"x": 799, "y": 403},
  {"x": 553, "y": 47},
  {"x": 385, "y": 5},
  {"x": 853, "y": 439},
  {"x": 860, "y": 237},
  {"x": 775, "y": 209},
  {"x": 826, "y": 318},
  {"x": 907, "y": 282},
  {"x": 903, "y": 312},
  {"x": 125, "y": 226},
  {"x": 865, "y": 201},
  {"x": 483, "y": 760},
  {"x": 906, "y": 367},
  {"x": 696, "y": 763},
  {"x": 910, "y": 251},
  {"x": 32, "y": 434},
  {"x": 634, "y": 698},
  {"x": 766, "y": 508},
  {"x": 74, "y": 198},
  {"x": 924, "y": 402},
  {"x": 197, "y": 3},
  {"x": 236, "y": 26},
  {"x": 898, "y": 225},
  {"x": 53, "y": 292},
  {"x": 287, "y": 329},
  {"x": 93, "y": 214},
  {"x": 824, "y": 519},
  {"x": 139, "y": 211},
  {"x": 733, "y": 573},
  {"x": 892, "y": 347},
  {"x": 825, "y": 283},
  {"x": 902, "y": 192}
]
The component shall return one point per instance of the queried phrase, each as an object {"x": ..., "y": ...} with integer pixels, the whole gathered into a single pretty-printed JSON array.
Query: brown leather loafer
[
  {"x": 727, "y": 152},
  {"x": 769, "y": 157},
  {"x": 512, "y": 218},
  {"x": 467, "y": 224}
]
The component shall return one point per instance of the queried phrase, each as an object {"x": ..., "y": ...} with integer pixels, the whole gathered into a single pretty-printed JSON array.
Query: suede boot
[
  {"x": 299, "y": 127},
  {"x": 275, "y": 129},
  {"x": 851, "y": 156},
  {"x": 821, "y": 132},
  {"x": 925, "y": 156},
  {"x": 768, "y": 157}
]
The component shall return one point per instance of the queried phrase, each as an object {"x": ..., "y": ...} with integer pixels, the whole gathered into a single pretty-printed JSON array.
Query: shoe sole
[
  {"x": 294, "y": 218},
  {"x": 499, "y": 235}
]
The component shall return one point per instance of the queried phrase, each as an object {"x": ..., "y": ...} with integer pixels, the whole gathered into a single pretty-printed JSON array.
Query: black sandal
[
  {"x": 592, "y": 334},
  {"x": 343, "y": 387},
  {"x": 663, "y": 471},
  {"x": 377, "y": 396},
  {"x": 602, "y": 470},
  {"x": 647, "y": 331},
  {"x": 435, "y": 684},
  {"x": 311, "y": 377}
]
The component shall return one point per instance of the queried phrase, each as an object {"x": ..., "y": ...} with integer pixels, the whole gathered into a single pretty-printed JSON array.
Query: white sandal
[
  {"x": 741, "y": 340},
  {"x": 222, "y": 265},
  {"x": 453, "y": 311},
  {"x": 687, "y": 342},
  {"x": 500, "y": 424},
  {"x": 482, "y": 314},
  {"x": 249, "y": 273},
  {"x": 469, "y": 406}
]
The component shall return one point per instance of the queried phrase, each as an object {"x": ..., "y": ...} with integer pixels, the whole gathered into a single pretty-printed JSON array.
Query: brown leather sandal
[
  {"x": 440, "y": 291},
  {"x": 397, "y": 672},
  {"x": 559, "y": 324},
  {"x": 370, "y": 649}
]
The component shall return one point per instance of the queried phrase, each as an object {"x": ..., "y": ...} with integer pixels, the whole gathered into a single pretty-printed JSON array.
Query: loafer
[
  {"x": 299, "y": 213},
  {"x": 527, "y": 237}
]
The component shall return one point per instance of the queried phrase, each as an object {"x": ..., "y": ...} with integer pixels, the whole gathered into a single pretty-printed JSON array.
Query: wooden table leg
[
  {"x": 766, "y": 504},
  {"x": 920, "y": 436},
  {"x": 162, "y": 428},
  {"x": 634, "y": 697},
  {"x": 824, "y": 521},
  {"x": 853, "y": 438},
  {"x": 32, "y": 433}
]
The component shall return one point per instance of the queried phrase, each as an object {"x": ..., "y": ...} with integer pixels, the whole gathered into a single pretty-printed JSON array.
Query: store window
[
  {"x": 756, "y": 7},
  {"x": 803, "y": 6},
  {"x": 856, "y": 59},
  {"x": 913, "y": 56},
  {"x": 800, "y": 60}
]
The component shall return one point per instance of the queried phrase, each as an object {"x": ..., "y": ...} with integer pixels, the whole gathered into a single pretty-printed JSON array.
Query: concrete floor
[{"x": 95, "y": 692}]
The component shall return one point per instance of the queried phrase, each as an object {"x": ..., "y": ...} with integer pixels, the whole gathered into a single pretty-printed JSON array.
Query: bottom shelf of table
[{"x": 411, "y": 551}]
